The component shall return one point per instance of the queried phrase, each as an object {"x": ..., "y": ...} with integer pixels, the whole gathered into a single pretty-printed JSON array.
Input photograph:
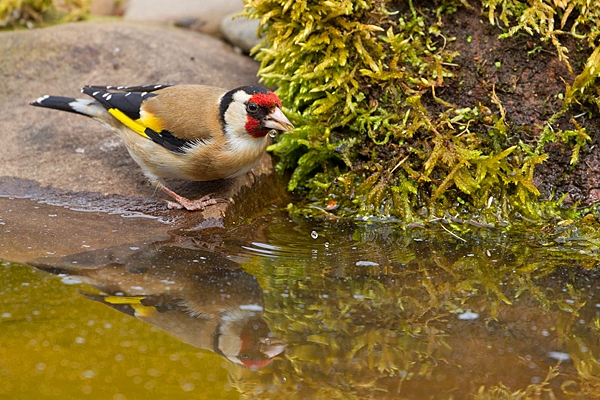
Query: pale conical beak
[{"x": 278, "y": 121}]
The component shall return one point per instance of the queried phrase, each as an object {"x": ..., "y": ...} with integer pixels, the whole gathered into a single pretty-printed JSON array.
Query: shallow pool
[{"x": 295, "y": 309}]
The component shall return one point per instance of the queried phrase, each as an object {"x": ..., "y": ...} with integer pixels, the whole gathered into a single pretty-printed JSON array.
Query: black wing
[{"x": 127, "y": 99}]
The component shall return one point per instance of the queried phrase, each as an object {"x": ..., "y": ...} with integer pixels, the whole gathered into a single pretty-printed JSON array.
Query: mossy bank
[{"x": 476, "y": 111}]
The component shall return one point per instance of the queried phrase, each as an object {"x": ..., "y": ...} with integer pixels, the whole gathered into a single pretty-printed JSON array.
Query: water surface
[{"x": 298, "y": 309}]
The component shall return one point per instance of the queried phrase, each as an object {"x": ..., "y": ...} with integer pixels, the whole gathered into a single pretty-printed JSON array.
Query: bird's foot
[
  {"x": 193, "y": 205},
  {"x": 190, "y": 205}
]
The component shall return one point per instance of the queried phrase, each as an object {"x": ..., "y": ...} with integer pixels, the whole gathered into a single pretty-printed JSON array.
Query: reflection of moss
[
  {"x": 390, "y": 328},
  {"x": 372, "y": 137},
  {"x": 534, "y": 391},
  {"x": 29, "y": 13}
]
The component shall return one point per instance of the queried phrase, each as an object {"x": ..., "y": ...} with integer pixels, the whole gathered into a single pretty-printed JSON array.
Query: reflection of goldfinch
[
  {"x": 213, "y": 304},
  {"x": 236, "y": 331},
  {"x": 221, "y": 310},
  {"x": 191, "y": 132}
]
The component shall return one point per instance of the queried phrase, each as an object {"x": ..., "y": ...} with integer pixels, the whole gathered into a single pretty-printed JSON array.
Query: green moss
[
  {"x": 31, "y": 13},
  {"x": 373, "y": 139}
]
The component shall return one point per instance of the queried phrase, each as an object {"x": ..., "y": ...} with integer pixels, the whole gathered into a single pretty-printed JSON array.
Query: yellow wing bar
[
  {"x": 128, "y": 122},
  {"x": 134, "y": 301}
]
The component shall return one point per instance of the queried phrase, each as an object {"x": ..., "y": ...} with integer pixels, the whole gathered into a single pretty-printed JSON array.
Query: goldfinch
[{"x": 191, "y": 132}]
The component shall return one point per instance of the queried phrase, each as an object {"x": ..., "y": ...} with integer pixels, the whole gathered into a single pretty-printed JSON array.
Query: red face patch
[
  {"x": 254, "y": 129},
  {"x": 256, "y": 364},
  {"x": 267, "y": 100}
]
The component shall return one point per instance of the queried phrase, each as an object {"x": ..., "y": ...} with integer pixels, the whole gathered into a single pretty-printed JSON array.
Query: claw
[{"x": 190, "y": 205}]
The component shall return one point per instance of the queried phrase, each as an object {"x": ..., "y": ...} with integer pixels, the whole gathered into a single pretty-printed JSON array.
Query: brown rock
[
  {"x": 240, "y": 32},
  {"x": 208, "y": 13}
]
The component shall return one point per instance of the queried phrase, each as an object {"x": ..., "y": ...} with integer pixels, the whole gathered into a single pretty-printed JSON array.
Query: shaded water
[{"x": 288, "y": 309}]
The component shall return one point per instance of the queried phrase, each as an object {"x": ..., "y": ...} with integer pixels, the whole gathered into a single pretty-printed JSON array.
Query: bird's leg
[
  {"x": 190, "y": 205},
  {"x": 253, "y": 175}
]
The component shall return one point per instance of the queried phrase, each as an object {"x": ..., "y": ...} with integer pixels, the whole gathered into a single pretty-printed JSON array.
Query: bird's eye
[{"x": 252, "y": 108}]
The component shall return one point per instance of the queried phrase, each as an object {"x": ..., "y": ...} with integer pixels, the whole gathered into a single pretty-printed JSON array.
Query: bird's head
[
  {"x": 245, "y": 339},
  {"x": 252, "y": 110}
]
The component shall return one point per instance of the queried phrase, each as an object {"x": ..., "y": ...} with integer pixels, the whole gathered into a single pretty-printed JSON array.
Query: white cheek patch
[
  {"x": 235, "y": 119},
  {"x": 236, "y": 116}
]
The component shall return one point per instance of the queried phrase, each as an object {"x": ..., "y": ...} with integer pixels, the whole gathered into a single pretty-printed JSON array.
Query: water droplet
[
  {"x": 89, "y": 374},
  {"x": 468, "y": 316},
  {"x": 366, "y": 264},
  {"x": 71, "y": 280},
  {"x": 272, "y": 133},
  {"x": 314, "y": 234}
]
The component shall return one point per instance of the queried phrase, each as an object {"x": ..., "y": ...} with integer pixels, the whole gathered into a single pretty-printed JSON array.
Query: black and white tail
[
  {"x": 126, "y": 99},
  {"x": 55, "y": 102},
  {"x": 89, "y": 108}
]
